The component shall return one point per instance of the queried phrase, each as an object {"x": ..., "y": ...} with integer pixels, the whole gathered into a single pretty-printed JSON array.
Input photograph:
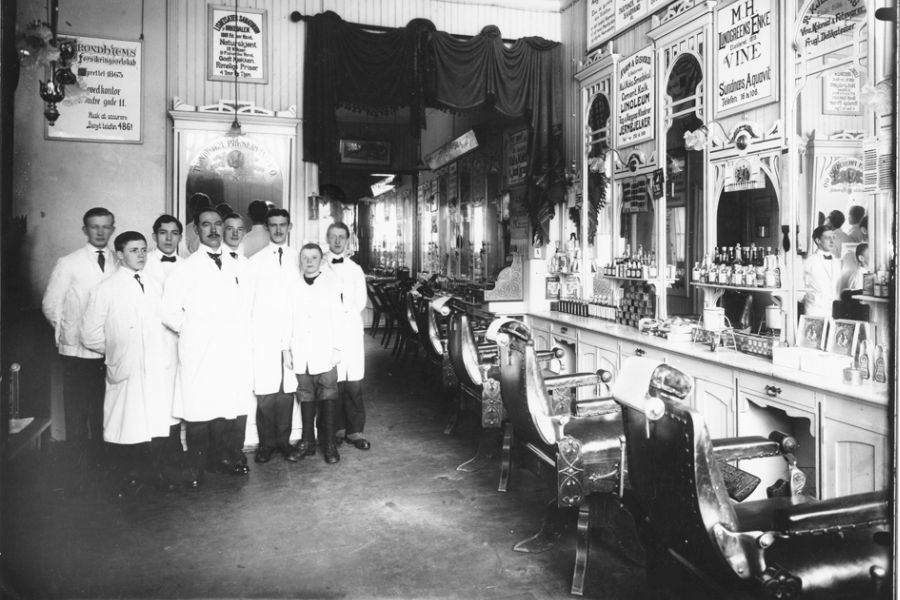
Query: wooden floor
[{"x": 398, "y": 521}]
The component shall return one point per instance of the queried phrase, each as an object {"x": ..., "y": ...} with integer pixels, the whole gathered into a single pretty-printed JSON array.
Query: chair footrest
[{"x": 593, "y": 407}]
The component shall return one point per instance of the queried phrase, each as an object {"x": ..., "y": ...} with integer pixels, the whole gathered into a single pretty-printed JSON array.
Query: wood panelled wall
[{"x": 187, "y": 23}]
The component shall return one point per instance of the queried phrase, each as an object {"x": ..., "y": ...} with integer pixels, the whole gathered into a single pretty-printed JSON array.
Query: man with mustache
[
  {"x": 64, "y": 303},
  {"x": 204, "y": 304}
]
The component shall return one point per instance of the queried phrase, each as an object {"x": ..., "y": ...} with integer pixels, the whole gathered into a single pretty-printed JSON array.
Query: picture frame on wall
[
  {"x": 365, "y": 152},
  {"x": 843, "y": 337},
  {"x": 811, "y": 332},
  {"x": 551, "y": 288},
  {"x": 237, "y": 37}
]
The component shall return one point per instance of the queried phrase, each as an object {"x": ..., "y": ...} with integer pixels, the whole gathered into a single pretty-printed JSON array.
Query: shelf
[
  {"x": 639, "y": 279},
  {"x": 866, "y": 299},
  {"x": 740, "y": 288}
]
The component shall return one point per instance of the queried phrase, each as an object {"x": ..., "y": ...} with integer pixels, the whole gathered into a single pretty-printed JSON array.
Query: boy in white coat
[
  {"x": 122, "y": 321},
  {"x": 313, "y": 349},
  {"x": 351, "y": 419}
]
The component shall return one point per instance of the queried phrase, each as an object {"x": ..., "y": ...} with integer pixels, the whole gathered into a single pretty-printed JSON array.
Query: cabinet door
[
  {"x": 855, "y": 447},
  {"x": 716, "y": 402},
  {"x": 541, "y": 339},
  {"x": 592, "y": 358}
]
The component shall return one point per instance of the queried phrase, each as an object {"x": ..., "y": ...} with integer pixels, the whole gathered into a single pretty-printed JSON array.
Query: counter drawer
[
  {"x": 627, "y": 349},
  {"x": 775, "y": 389}
]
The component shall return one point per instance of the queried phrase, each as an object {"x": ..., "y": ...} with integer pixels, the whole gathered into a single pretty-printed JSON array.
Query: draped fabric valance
[{"x": 418, "y": 67}]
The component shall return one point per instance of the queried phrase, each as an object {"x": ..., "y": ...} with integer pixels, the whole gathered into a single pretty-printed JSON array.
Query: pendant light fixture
[{"x": 235, "y": 130}]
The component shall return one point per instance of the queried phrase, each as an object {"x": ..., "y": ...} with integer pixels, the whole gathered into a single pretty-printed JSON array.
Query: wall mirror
[{"x": 684, "y": 182}]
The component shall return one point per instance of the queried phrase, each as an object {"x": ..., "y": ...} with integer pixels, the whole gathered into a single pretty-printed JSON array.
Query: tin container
[{"x": 853, "y": 376}]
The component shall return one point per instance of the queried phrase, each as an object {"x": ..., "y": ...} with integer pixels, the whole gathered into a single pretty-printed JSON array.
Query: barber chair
[
  {"x": 698, "y": 540},
  {"x": 576, "y": 443}
]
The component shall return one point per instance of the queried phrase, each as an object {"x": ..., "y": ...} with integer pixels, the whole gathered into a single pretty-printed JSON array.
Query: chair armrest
[
  {"x": 487, "y": 352},
  {"x": 545, "y": 355},
  {"x": 738, "y": 448},
  {"x": 594, "y": 407},
  {"x": 835, "y": 514},
  {"x": 577, "y": 379}
]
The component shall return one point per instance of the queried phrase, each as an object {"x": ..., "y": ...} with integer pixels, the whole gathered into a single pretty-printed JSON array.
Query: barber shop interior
[{"x": 448, "y": 299}]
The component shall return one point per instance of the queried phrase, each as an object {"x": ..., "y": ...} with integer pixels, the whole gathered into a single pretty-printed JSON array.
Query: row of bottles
[
  {"x": 748, "y": 266},
  {"x": 596, "y": 307},
  {"x": 640, "y": 265}
]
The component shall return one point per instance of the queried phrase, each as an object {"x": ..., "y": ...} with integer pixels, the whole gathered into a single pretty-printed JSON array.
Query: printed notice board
[
  {"x": 601, "y": 22},
  {"x": 109, "y": 107},
  {"x": 746, "y": 51},
  {"x": 635, "y": 105},
  {"x": 237, "y": 39}
]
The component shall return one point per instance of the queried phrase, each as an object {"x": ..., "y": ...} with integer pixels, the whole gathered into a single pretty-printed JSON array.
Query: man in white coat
[
  {"x": 122, "y": 321},
  {"x": 821, "y": 274},
  {"x": 274, "y": 270},
  {"x": 237, "y": 428},
  {"x": 64, "y": 302},
  {"x": 162, "y": 260},
  {"x": 258, "y": 236},
  {"x": 203, "y": 302},
  {"x": 351, "y": 418},
  {"x": 312, "y": 349}
]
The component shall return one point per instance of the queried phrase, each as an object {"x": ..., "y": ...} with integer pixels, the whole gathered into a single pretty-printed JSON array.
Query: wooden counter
[{"x": 843, "y": 430}]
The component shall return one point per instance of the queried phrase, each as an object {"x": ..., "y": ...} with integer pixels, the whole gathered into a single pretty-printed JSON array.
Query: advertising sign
[
  {"x": 841, "y": 93},
  {"x": 601, "y": 20},
  {"x": 109, "y": 109},
  {"x": 746, "y": 55},
  {"x": 237, "y": 39},
  {"x": 635, "y": 103},
  {"x": 629, "y": 12}
]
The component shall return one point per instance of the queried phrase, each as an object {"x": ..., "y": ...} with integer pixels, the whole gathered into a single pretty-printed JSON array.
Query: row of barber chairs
[{"x": 637, "y": 462}]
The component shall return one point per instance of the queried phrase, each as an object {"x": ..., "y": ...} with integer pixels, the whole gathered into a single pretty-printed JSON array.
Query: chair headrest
[
  {"x": 506, "y": 325},
  {"x": 642, "y": 383}
]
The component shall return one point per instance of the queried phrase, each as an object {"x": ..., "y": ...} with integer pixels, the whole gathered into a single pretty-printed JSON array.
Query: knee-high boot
[
  {"x": 329, "y": 408},
  {"x": 307, "y": 445}
]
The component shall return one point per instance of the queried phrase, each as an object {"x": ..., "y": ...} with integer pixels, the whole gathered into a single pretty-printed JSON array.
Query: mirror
[
  {"x": 597, "y": 169},
  {"x": 684, "y": 183},
  {"x": 749, "y": 217}
]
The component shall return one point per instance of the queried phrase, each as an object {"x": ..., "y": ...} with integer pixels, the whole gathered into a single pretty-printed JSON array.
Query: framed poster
[
  {"x": 811, "y": 332},
  {"x": 237, "y": 39},
  {"x": 746, "y": 56},
  {"x": 365, "y": 152},
  {"x": 843, "y": 336},
  {"x": 635, "y": 102},
  {"x": 110, "y": 109},
  {"x": 515, "y": 154}
]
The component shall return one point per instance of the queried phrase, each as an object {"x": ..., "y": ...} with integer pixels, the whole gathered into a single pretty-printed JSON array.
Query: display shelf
[
  {"x": 713, "y": 291},
  {"x": 866, "y": 299}
]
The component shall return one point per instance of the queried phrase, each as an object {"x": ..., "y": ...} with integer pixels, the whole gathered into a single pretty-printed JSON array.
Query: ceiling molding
[{"x": 552, "y": 6}]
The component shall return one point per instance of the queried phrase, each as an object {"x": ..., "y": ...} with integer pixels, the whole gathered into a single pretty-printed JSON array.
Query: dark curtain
[{"x": 417, "y": 66}]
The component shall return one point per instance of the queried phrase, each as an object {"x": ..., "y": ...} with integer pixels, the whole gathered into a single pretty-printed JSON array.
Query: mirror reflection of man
[
  {"x": 821, "y": 274},
  {"x": 203, "y": 302},
  {"x": 258, "y": 236},
  {"x": 73, "y": 278}
]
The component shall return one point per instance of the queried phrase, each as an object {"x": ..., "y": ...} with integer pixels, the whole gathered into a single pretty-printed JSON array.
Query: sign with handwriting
[
  {"x": 108, "y": 108},
  {"x": 237, "y": 39}
]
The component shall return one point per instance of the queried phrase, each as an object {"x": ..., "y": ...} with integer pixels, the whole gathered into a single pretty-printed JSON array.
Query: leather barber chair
[
  {"x": 702, "y": 544},
  {"x": 575, "y": 444},
  {"x": 474, "y": 363}
]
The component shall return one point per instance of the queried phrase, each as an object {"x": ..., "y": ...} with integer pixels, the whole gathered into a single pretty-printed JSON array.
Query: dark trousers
[
  {"x": 351, "y": 417},
  {"x": 207, "y": 442},
  {"x": 84, "y": 384},
  {"x": 167, "y": 456},
  {"x": 128, "y": 461},
  {"x": 237, "y": 433},
  {"x": 318, "y": 394},
  {"x": 273, "y": 420}
]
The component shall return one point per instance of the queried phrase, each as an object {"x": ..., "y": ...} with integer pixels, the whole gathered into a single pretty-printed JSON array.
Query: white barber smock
[
  {"x": 270, "y": 315},
  {"x": 124, "y": 323},
  {"x": 207, "y": 308},
  {"x": 354, "y": 297},
  {"x": 315, "y": 323}
]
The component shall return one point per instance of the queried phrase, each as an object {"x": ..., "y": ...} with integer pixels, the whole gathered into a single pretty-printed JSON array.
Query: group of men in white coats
[{"x": 191, "y": 339}]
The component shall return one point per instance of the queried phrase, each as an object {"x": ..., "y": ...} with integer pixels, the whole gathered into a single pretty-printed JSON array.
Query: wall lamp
[
  {"x": 699, "y": 139},
  {"x": 38, "y": 45}
]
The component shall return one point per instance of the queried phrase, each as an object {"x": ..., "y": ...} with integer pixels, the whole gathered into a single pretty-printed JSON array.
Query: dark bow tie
[
  {"x": 233, "y": 254},
  {"x": 217, "y": 258},
  {"x": 827, "y": 256},
  {"x": 337, "y": 261},
  {"x": 165, "y": 258}
]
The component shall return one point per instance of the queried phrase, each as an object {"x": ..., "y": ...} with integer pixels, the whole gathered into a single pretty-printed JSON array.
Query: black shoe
[
  {"x": 306, "y": 448},
  {"x": 360, "y": 443},
  {"x": 240, "y": 468},
  {"x": 263, "y": 455},
  {"x": 291, "y": 454},
  {"x": 331, "y": 454}
]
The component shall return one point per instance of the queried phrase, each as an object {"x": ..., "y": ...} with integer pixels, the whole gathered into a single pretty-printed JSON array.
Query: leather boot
[
  {"x": 330, "y": 448},
  {"x": 307, "y": 445}
]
